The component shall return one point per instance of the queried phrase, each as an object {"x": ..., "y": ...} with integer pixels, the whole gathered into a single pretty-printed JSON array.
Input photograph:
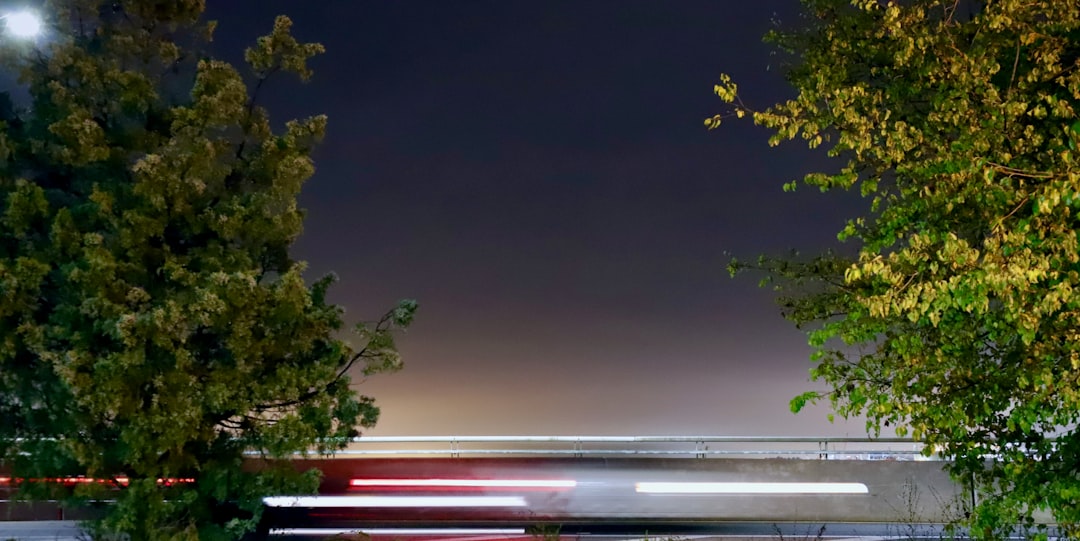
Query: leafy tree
[
  {"x": 153, "y": 325},
  {"x": 958, "y": 321}
]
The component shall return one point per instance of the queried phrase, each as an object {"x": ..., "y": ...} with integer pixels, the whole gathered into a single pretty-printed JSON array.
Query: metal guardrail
[{"x": 654, "y": 446}]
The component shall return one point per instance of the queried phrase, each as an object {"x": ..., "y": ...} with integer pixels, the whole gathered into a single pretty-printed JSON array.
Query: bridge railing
[{"x": 639, "y": 446}]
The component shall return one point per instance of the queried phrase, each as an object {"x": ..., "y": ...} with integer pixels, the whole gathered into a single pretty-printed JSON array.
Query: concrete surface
[{"x": 41, "y": 530}]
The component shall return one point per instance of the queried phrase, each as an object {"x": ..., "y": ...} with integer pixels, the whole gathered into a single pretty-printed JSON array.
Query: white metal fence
[{"x": 641, "y": 446}]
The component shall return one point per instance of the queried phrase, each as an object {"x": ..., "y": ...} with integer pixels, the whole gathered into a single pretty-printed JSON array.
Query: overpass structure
[
  {"x": 624, "y": 486},
  {"x": 506, "y": 487}
]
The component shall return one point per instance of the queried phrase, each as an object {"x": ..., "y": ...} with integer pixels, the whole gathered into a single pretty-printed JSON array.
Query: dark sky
[{"x": 537, "y": 175}]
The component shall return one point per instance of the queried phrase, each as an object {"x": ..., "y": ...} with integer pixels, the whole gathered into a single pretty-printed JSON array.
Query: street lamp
[{"x": 22, "y": 24}]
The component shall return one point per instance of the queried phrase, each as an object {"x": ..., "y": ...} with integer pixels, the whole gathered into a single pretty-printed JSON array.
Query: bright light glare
[
  {"x": 322, "y": 532},
  {"x": 22, "y": 24},
  {"x": 465, "y": 483},
  {"x": 394, "y": 501},
  {"x": 752, "y": 488}
]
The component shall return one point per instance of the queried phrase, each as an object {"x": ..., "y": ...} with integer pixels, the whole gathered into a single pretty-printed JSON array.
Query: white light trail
[
  {"x": 394, "y": 501},
  {"x": 397, "y": 531},
  {"x": 751, "y": 488}
]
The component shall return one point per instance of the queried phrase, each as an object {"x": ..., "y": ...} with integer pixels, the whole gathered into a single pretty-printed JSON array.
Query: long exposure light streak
[
  {"x": 396, "y": 531},
  {"x": 747, "y": 487},
  {"x": 465, "y": 483},
  {"x": 394, "y": 501}
]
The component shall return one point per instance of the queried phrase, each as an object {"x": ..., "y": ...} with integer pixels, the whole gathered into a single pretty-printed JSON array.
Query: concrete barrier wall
[
  {"x": 898, "y": 491},
  {"x": 31, "y": 511},
  {"x": 908, "y": 491}
]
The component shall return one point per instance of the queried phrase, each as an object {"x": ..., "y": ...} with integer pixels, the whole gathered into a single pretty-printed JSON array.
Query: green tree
[
  {"x": 153, "y": 324},
  {"x": 958, "y": 321}
]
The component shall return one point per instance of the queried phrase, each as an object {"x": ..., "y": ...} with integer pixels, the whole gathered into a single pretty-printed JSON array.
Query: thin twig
[{"x": 1016, "y": 63}]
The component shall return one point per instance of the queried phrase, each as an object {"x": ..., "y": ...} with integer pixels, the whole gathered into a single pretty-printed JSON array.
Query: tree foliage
[
  {"x": 153, "y": 324},
  {"x": 958, "y": 321}
]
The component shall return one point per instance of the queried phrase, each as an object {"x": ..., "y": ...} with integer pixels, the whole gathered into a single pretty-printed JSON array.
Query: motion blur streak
[
  {"x": 397, "y": 531},
  {"x": 465, "y": 483},
  {"x": 634, "y": 494},
  {"x": 394, "y": 501},
  {"x": 751, "y": 488},
  {"x": 93, "y": 480}
]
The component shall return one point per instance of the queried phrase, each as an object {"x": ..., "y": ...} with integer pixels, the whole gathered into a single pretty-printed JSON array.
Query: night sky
[{"x": 537, "y": 175}]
